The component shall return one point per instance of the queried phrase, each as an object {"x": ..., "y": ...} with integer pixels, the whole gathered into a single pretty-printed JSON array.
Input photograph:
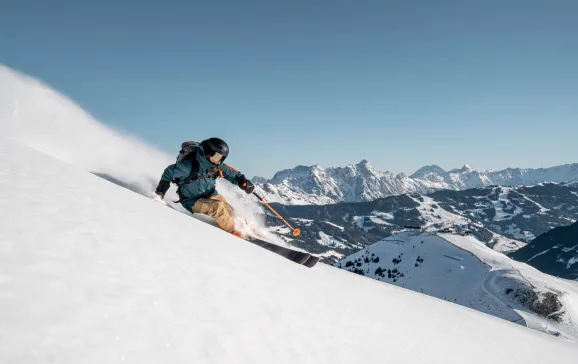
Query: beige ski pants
[{"x": 219, "y": 209}]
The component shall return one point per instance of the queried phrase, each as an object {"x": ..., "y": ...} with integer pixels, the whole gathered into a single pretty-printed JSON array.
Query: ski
[
  {"x": 298, "y": 257},
  {"x": 313, "y": 259}
]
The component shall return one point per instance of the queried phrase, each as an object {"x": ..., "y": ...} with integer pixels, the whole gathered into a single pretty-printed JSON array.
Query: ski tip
[{"x": 311, "y": 261}]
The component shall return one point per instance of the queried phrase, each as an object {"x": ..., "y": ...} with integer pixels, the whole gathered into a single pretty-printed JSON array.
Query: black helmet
[{"x": 215, "y": 149}]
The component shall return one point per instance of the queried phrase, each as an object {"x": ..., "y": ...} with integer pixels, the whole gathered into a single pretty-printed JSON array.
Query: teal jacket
[{"x": 199, "y": 188}]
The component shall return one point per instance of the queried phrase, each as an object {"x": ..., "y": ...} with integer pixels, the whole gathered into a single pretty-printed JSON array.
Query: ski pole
[{"x": 296, "y": 232}]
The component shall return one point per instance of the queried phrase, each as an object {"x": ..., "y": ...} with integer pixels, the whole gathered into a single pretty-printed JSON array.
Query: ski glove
[
  {"x": 246, "y": 185},
  {"x": 159, "y": 198},
  {"x": 162, "y": 188}
]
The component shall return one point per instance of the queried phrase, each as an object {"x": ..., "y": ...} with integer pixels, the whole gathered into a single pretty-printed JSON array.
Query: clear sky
[{"x": 399, "y": 83}]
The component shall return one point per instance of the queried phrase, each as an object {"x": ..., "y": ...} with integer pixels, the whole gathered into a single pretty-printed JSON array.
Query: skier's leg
[
  {"x": 218, "y": 208},
  {"x": 226, "y": 205}
]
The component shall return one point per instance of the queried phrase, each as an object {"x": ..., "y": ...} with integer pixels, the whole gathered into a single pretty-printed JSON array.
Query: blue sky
[{"x": 400, "y": 83}]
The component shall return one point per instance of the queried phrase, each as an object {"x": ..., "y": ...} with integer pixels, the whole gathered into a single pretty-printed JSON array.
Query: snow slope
[
  {"x": 42, "y": 118},
  {"x": 510, "y": 269},
  {"x": 429, "y": 265},
  {"x": 93, "y": 273},
  {"x": 37, "y": 116},
  {"x": 463, "y": 270}
]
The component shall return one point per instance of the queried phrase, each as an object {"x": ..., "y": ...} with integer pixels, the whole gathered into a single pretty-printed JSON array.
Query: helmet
[{"x": 215, "y": 149}]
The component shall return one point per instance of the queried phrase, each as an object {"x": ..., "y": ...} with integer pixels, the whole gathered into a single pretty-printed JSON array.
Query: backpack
[{"x": 189, "y": 151}]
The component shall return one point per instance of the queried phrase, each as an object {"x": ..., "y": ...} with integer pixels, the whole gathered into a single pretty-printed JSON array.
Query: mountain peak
[
  {"x": 365, "y": 167},
  {"x": 259, "y": 179},
  {"x": 465, "y": 169},
  {"x": 427, "y": 170},
  {"x": 364, "y": 164}
]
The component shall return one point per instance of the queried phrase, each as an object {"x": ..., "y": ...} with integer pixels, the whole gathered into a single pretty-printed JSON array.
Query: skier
[{"x": 196, "y": 172}]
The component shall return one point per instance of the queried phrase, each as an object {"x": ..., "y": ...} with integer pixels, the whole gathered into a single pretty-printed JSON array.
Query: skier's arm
[
  {"x": 180, "y": 170},
  {"x": 231, "y": 174},
  {"x": 237, "y": 178}
]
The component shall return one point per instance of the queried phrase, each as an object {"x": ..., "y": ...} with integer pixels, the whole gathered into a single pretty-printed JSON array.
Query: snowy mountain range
[
  {"x": 361, "y": 182},
  {"x": 504, "y": 218}
]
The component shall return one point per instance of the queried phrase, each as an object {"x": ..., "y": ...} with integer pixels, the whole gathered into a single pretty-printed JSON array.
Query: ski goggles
[{"x": 216, "y": 158}]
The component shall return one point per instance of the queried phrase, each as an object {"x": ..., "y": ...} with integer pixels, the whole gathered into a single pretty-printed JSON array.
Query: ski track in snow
[
  {"x": 383, "y": 215},
  {"x": 542, "y": 208},
  {"x": 541, "y": 253},
  {"x": 305, "y": 222},
  {"x": 435, "y": 215},
  {"x": 334, "y": 225},
  {"x": 330, "y": 241},
  {"x": 443, "y": 216},
  {"x": 502, "y": 215},
  {"x": 569, "y": 249},
  {"x": 517, "y": 233},
  {"x": 378, "y": 221}
]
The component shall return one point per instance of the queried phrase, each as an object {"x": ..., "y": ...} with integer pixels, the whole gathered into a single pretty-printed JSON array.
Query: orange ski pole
[{"x": 296, "y": 232}]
